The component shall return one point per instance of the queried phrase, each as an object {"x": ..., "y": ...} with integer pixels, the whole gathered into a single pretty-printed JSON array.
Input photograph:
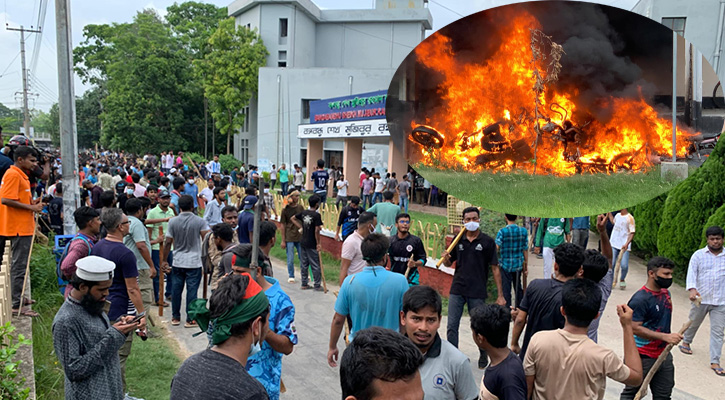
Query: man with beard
[
  {"x": 84, "y": 340},
  {"x": 215, "y": 249},
  {"x": 406, "y": 251},
  {"x": 446, "y": 372}
]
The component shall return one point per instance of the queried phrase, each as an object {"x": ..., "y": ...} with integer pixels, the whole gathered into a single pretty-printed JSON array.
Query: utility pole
[
  {"x": 26, "y": 112},
  {"x": 67, "y": 104}
]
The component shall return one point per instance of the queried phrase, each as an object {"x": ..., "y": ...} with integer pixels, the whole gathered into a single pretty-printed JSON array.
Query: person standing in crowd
[
  {"x": 124, "y": 293},
  {"x": 290, "y": 233},
  {"x": 373, "y": 297},
  {"x": 139, "y": 190},
  {"x": 310, "y": 222},
  {"x": 597, "y": 267},
  {"x": 504, "y": 378},
  {"x": 539, "y": 309},
  {"x": 192, "y": 190},
  {"x": 17, "y": 222},
  {"x": 351, "y": 255},
  {"x": 347, "y": 221},
  {"x": 342, "y": 186},
  {"x": 55, "y": 210},
  {"x": 404, "y": 193},
  {"x": 105, "y": 181},
  {"x": 240, "y": 311},
  {"x": 95, "y": 192},
  {"x": 213, "y": 211},
  {"x": 378, "y": 189},
  {"x": 367, "y": 192},
  {"x": 159, "y": 218},
  {"x": 269, "y": 201},
  {"x": 185, "y": 232},
  {"x": 88, "y": 221},
  {"x": 406, "y": 251},
  {"x": 651, "y": 321},
  {"x": 84, "y": 340},
  {"x": 385, "y": 213},
  {"x": 246, "y": 220},
  {"x": 446, "y": 372},
  {"x": 319, "y": 178},
  {"x": 299, "y": 178},
  {"x": 381, "y": 364},
  {"x": 284, "y": 179},
  {"x": 178, "y": 185},
  {"x": 565, "y": 364},
  {"x": 474, "y": 255},
  {"x": 580, "y": 231},
  {"x": 273, "y": 176},
  {"x": 213, "y": 166},
  {"x": 363, "y": 175},
  {"x": 221, "y": 239},
  {"x": 512, "y": 244},
  {"x": 551, "y": 233},
  {"x": 391, "y": 185},
  {"x": 137, "y": 240},
  {"x": 207, "y": 194},
  {"x": 706, "y": 280},
  {"x": 621, "y": 239}
]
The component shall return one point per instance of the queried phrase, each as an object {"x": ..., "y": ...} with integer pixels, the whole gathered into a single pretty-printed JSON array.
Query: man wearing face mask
[
  {"x": 651, "y": 322},
  {"x": 192, "y": 190},
  {"x": 474, "y": 254},
  {"x": 127, "y": 194},
  {"x": 84, "y": 340},
  {"x": 240, "y": 310},
  {"x": 351, "y": 255}
]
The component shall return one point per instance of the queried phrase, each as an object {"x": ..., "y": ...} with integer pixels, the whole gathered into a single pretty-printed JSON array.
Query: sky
[{"x": 43, "y": 68}]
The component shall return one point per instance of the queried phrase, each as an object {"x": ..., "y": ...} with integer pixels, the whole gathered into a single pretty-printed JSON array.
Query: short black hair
[
  {"x": 228, "y": 294},
  {"x": 133, "y": 206},
  {"x": 355, "y": 200},
  {"x": 658, "y": 262},
  {"x": 492, "y": 322},
  {"x": 107, "y": 198},
  {"x": 59, "y": 188},
  {"x": 218, "y": 190},
  {"x": 320, "y": 163},
  {"x": 388, "y": 195},
  {"x": 581, "y": 299},
  {"x": 152, "y": 188},
  {"x": 365, "y": 218},
  {"x": 131, "y": 185},
  {"x": 135, "y": 177},
  {"x": 569, "y": 257},
  {"x": 177, "y": 183},
  {"x": 267, "y": 232},
  {"x": 595, "y": 265},
  {"x": 470, "y": 209},
  {"x": 164, "y": 180},
  {"x": 145, "y": 202},
  {"x": 402, "y": 215},
  {"x": 186, "y": 202},
  {"x": 24, "y": 152},
  {"x": 84, "y": 215},
  {"x": 714, "y": 231},
  {"x": 374, "y": 248},
  {"x": 511, "y": 217},
  {"x": 223, "y": 232},
  {"x": 228, "y": 209},
  {"x": 419, "y": 297},
  {"x": 377, "y": 353},
  {"x": 314, "y": 200}
]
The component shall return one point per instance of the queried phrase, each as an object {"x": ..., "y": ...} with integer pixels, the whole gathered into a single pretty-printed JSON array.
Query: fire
[{"x": 493, "y": 116}]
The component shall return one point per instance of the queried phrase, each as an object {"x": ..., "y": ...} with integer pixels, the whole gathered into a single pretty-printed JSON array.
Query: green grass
[
  {"x": 149, "y": 369},
  {"x": 550, "y": 196}
]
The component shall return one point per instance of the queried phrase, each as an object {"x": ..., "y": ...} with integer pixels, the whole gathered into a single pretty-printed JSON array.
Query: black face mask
[{"x": 663, "y": 283}]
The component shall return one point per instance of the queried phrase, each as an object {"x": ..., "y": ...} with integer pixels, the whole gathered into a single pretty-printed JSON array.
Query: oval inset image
[{"x": 555, "y": 108}]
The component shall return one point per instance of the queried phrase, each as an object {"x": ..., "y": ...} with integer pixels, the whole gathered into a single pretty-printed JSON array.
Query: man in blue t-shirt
[
  {"x": 319, "y": 179},
  {"x": 372, "y": 297},
  {"x": 246, "y": 220}
]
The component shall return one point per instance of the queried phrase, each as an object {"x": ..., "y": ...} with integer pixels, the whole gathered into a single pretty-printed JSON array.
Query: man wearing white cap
[{"x": 85, "y": 342}]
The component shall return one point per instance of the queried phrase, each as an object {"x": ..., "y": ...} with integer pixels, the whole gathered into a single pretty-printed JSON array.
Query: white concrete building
[{"x": 318, "y": 54}]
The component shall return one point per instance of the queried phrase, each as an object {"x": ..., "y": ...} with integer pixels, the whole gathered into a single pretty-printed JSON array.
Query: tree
[
  {"x": 88, "y": 117},
  {"x": 229, "y": 73},
  {"x": 194, "y": 23}
]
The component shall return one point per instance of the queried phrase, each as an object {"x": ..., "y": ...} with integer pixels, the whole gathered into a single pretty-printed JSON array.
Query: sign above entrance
[
  {"x": 358, "y": 107},
  {"x": 342, "y": 130}
]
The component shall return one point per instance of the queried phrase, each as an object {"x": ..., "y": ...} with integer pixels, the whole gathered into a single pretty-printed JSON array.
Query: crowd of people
[{"x": 144, "y": 218}]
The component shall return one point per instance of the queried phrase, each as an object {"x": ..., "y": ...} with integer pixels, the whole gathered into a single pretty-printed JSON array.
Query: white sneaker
[
  {"x": 291, "y": 280},
  {"x": 129, "y": 397}
]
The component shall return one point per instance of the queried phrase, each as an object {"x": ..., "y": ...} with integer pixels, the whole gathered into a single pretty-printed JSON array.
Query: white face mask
[
  {"x": 191, "y": 181},
  {"x": 472, "y": 226},
  {"x": 372, "y": 228},
  {"x": 266, "y": 191},
  {"x": 129, "y": 191},
  {"x": 256, "y": 347}
]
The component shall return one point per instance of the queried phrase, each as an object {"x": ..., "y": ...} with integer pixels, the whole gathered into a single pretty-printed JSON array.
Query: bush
[
  {"x": 718, "y": 218},
  {"x": 196, "y": 157},
  {"x": 648, "y": 217},
  {"x": 229, "y": 162},
  {"x": 11, "y": 385},
  {"x": 687, "y": 209}
]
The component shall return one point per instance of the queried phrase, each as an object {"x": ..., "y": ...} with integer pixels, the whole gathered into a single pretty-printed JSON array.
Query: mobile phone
[{"x": 138, "y": 318}]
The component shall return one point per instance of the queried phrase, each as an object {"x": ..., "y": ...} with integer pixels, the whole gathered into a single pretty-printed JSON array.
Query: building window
[
  {"x": 677, "y": 24},
  {"x": 282, "y": 56},
  {"x": 306, "y": 109},
  {"x": 244, "y": 150},
  {"x": 282, "y": 64},
  {"x": 245, "y": 124},
  {"x": 283, "y": 27}
]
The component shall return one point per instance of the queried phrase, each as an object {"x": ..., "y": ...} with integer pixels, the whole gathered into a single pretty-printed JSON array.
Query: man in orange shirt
[{"x": 16, "y": 220}]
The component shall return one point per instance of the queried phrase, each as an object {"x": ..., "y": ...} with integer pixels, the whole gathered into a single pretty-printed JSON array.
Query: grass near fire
[{"x": 550, "y": 196}]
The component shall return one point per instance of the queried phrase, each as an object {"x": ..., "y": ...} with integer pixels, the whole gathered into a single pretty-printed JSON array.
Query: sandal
[
  {"x": 28, "y": 302},
  {"x": 26, "y": 312},
  {"x": 718, "y": 371},
  {"x": 685, "y": 349},
  {"x": 190, "y": 324},
  {"x": 175, "y": 322}
]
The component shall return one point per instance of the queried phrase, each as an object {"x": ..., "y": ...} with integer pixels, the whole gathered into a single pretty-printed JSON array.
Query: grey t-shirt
[
  {"x": 446, "y": 373},
  {"x": 605, "y": 285},
  {"x": 137, "y": 232},
  {"x": 214, "y": 376},
  {"x": 186, "y": 230},
  {"x": 403, "y": 188}
]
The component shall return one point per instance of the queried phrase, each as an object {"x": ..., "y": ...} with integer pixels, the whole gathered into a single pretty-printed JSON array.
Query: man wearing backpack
[{"x": 88, "y": 221}]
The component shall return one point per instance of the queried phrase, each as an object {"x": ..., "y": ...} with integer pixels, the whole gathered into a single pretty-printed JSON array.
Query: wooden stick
[
  {"x": 162, "y": 299},
  {"x": 322, "y": 272},
  {"x": 453, "y": 245},
  {"x": 27, "y": 266},
  {"x": 617, "y": 266},
  {"x": 643, "y": 389},
  {"x": 407, "y": 270}
]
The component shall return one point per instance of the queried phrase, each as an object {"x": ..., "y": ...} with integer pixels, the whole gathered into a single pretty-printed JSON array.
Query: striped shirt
[
  {"x": 706, "y": 273},
  {"x": 512, "y": 242}
]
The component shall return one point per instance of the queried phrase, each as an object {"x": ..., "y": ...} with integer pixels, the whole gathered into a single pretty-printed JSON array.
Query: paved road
[{"x": 308, "y": 377}]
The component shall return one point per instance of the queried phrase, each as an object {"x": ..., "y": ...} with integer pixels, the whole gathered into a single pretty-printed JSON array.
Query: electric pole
[{"x": 26, "y": 112}]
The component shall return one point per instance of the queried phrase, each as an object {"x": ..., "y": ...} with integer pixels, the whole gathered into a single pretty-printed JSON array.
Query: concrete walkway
[{"x": 308, "y": 377}]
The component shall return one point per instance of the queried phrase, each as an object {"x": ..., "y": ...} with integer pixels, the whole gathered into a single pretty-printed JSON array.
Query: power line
[
  {"x": 449, "y": 9},
  {"x": 9, "y": 65}
]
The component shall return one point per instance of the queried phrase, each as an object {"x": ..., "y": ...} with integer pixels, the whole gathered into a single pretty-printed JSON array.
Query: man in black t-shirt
[
  {"x": 347, "y": 221},
  {"x": 540, "y": 307},
  {"x": 55, "y": 210},
  {"x": 406, "y": 251},
  {"x": 310, "y": 222},
  {"x": 473, "y": 255}
]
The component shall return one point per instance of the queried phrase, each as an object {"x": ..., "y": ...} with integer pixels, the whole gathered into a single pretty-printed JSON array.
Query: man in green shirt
[
  {"x": 158, "y": 222},
  {"x": 386, "y": 212},
  {"x": 553, "y": 231}
]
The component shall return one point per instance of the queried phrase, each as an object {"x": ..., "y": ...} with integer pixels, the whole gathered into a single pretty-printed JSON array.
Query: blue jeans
[
  {"x": 404, "y": 204},
  {"x": 284, "y": 188},
  {"x": 455, "y": 310},
  {"x": 323, "y": 198},
  {"x": 155, "y": 255},
  {"x": 192, "y": 278},
  {"x": 366, "y": 200},
  {"x": 291, "y": 257},
  {"x": 624, "y": 264},
  {"x": 509, "y": 280},
  {"x": 377, "y": 197}
]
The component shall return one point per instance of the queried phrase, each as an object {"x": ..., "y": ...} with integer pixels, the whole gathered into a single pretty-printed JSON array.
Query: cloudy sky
[{"x": 43, "y": 68}]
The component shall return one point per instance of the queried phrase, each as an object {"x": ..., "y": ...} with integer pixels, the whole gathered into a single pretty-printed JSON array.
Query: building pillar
[
  {"x": 351, "y": 164},
  {"x": 314, "y": 153},
  {"x": 396, "y": 162}
]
